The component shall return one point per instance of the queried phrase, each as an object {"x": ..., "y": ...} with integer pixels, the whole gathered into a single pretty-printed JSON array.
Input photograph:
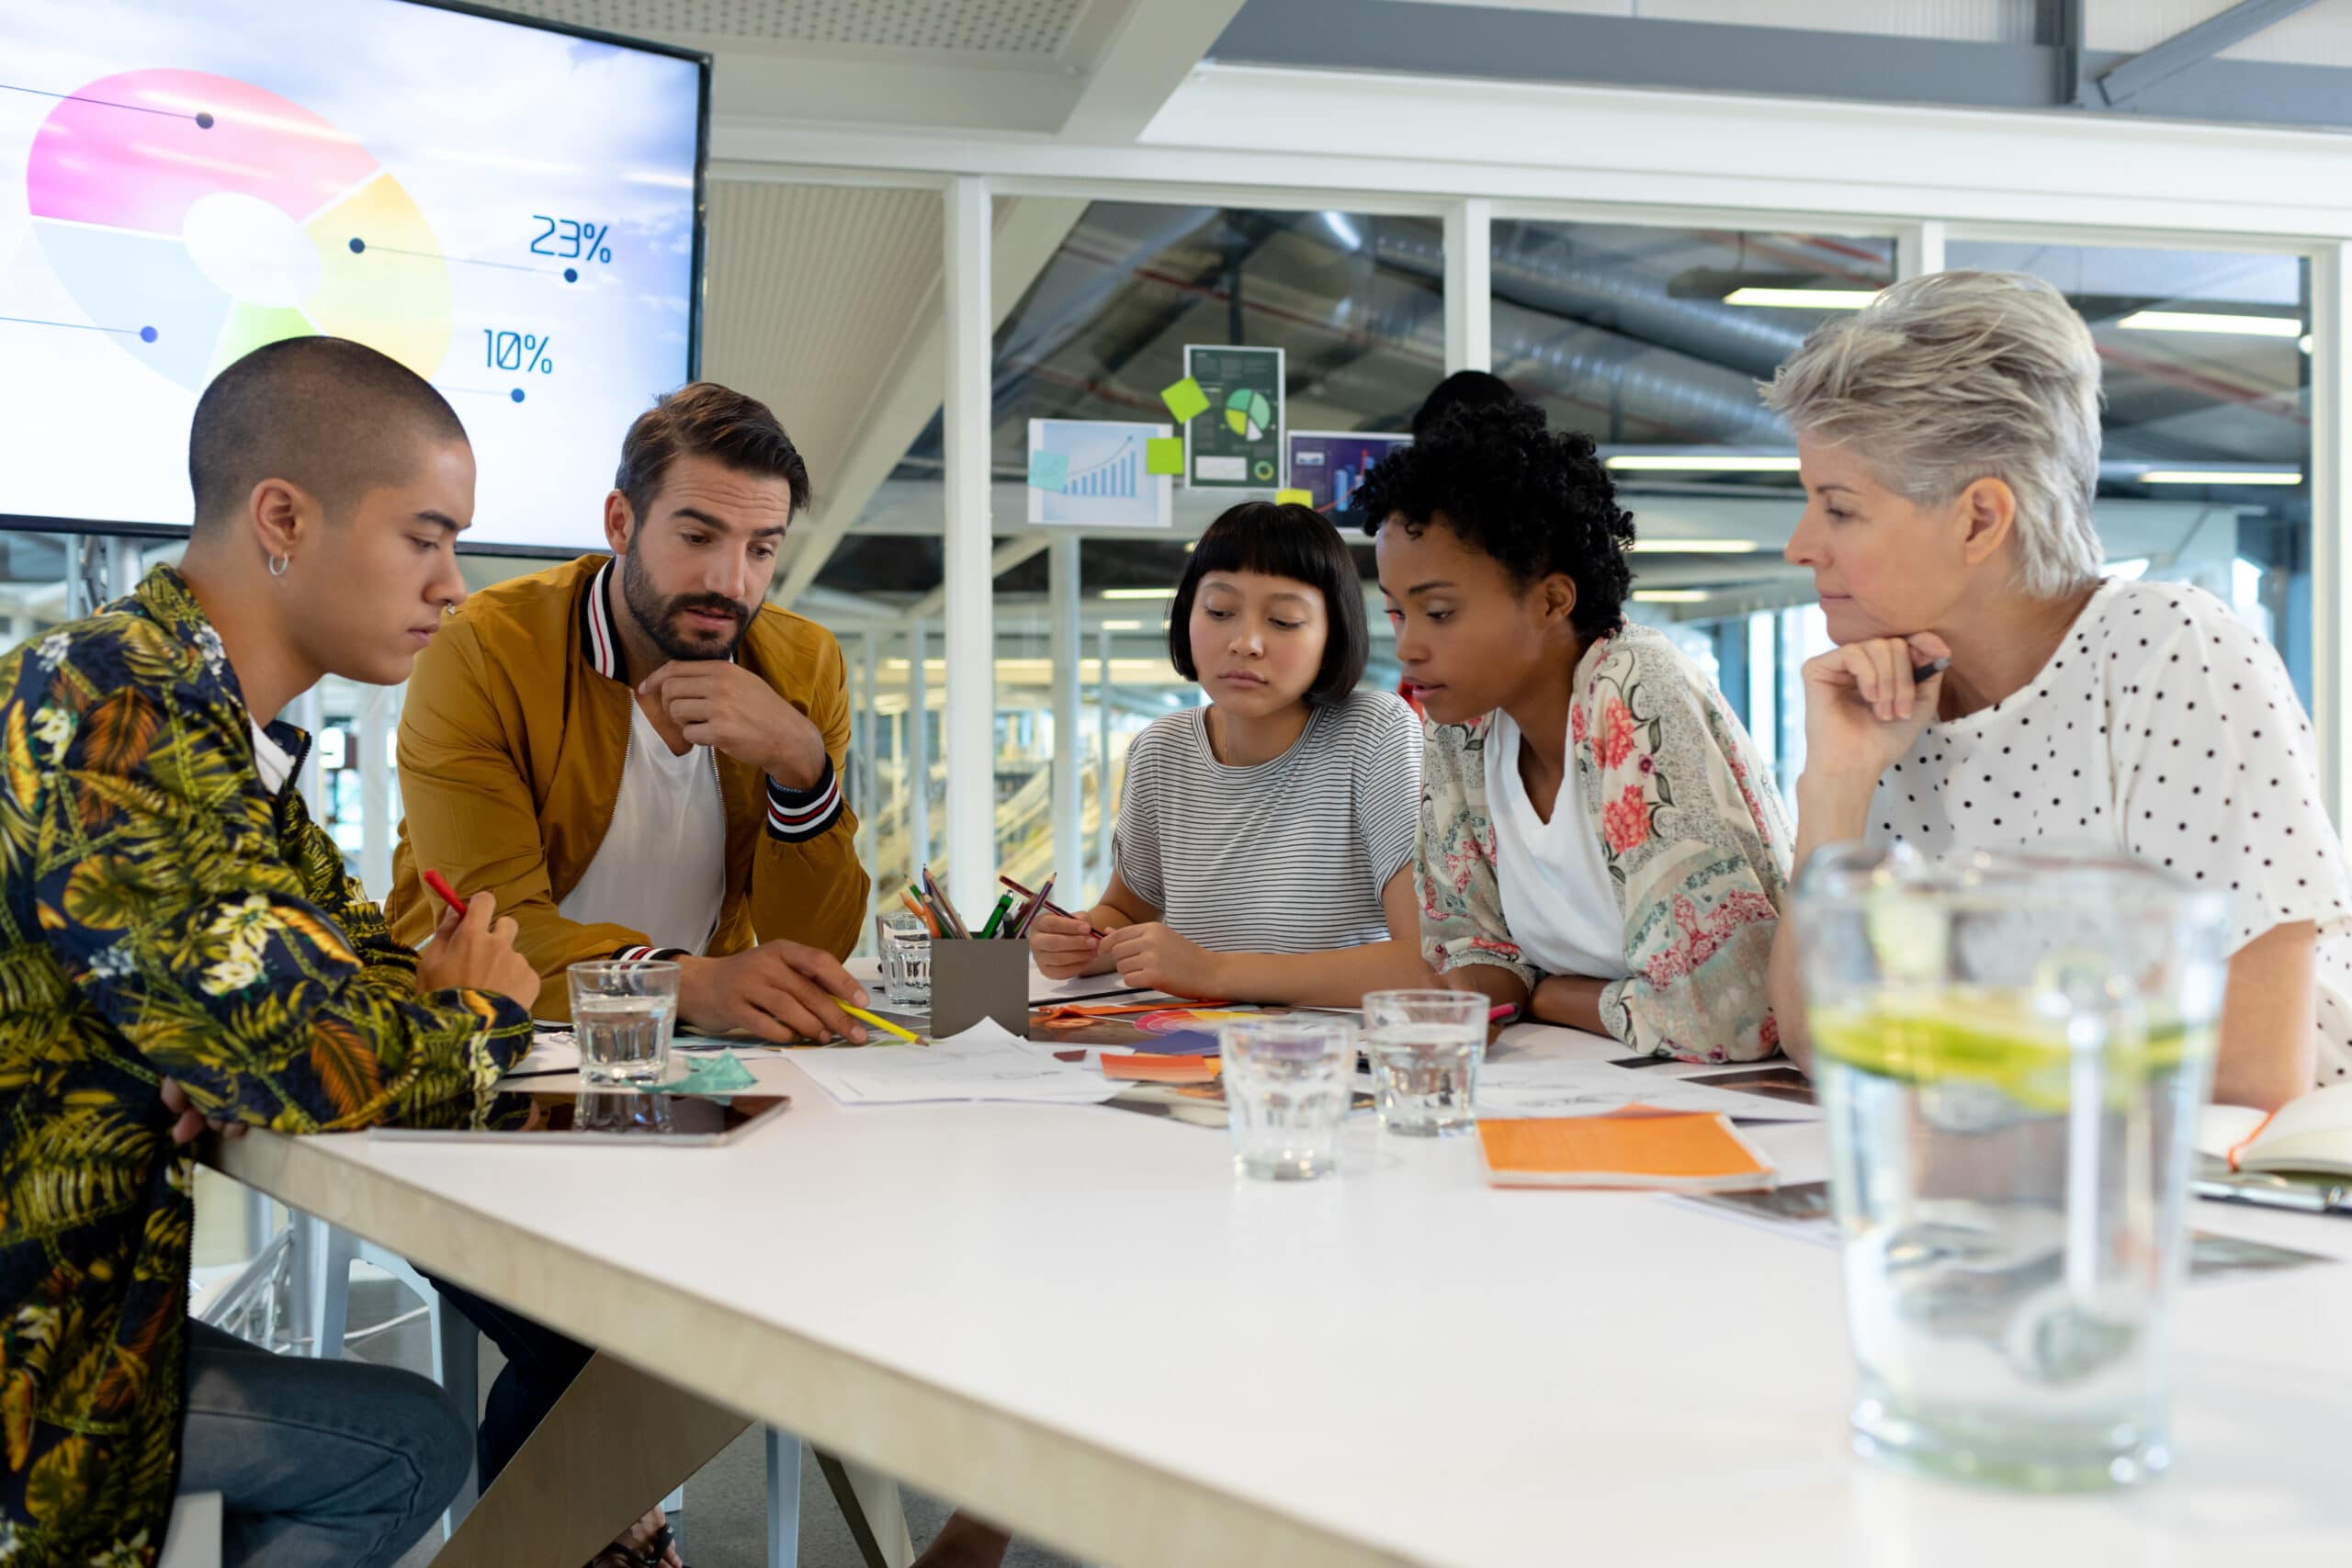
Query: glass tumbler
[{"x": 1285, "y": 1091}]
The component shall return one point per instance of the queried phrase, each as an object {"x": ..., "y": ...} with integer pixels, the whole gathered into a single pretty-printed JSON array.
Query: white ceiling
[{"x": 1034, "y": 29}]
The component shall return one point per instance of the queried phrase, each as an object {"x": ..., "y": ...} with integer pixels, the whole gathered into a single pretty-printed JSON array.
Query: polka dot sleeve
[{"x": 2215, "y": 773}]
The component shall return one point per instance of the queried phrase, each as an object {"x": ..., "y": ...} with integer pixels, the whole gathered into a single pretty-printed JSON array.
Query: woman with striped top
[{"x": 1265, "y": 841}]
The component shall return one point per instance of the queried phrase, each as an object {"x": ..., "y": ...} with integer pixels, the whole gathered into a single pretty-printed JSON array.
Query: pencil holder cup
[{"x": 973, "y": 979}]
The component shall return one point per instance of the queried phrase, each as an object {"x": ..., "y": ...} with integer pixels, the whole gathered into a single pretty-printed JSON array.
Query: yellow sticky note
[
  {"x": 1163, "y": 455},
  {"x": 1295, "y": 497},
  {"x": 1185, "y": 400}
]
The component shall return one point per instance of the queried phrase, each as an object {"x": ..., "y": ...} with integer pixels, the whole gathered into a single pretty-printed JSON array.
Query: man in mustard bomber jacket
[
  {"x": 640, "y": 758},
  {"x": 638, "y": 755}
]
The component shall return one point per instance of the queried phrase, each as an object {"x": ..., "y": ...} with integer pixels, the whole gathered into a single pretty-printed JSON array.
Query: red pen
[{"x": 440, "y": 883}]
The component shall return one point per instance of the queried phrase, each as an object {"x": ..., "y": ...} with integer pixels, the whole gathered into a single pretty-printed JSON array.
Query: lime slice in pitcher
[{"x": 1960, "y": 1036}]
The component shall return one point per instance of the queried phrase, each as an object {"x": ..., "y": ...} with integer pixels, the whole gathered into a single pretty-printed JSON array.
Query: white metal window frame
[{"x": 1468, "y": 153}]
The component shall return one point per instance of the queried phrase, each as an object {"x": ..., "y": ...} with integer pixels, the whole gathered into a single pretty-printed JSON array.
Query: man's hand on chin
[{"x": 718, "y": 704}]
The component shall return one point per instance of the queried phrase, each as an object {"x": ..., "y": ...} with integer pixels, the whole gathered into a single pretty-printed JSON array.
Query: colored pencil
[
  {"x": 953, "y": 922},
  {"x": 908, "y": 898},
  {"x": 440, "y": 883},
  {"x": 996, "y": 916},
  {"x": 1052, "y": 908},
  {"x": 881, "y": 1023},
  {"x": 1038, "y": 905}
]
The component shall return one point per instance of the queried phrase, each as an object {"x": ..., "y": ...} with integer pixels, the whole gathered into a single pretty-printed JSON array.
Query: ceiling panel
[
  {"x": 812, "y": 291},
  {"x": 1005, "y": 29}
]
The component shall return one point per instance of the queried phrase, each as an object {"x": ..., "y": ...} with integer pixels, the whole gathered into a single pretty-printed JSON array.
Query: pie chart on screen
[{"x": 194, "y": 217}]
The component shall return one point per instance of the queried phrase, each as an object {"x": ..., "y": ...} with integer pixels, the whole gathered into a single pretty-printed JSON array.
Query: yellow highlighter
[{"x": 881, "y": 1023}]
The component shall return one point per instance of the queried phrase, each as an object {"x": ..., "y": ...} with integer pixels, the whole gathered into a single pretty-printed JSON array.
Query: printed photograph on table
[
  {"x": 1236, "y": 442},
  {"x": 1329, "y": 465},
  {"x": 1098, "y": 473}
]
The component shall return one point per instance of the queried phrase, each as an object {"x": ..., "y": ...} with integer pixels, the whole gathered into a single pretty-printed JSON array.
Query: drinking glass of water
[
  {"x": 2010, "y": 1052},
  {"x": 1425, "y": 1048},
  {"x": 1285, "y": 1090},
  {"x": 622, "y": 1013},
  {"x": 903, "y": 942}
]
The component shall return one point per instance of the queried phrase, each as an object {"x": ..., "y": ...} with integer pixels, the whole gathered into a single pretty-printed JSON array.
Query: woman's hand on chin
[{"x": 1865, "y": 708}]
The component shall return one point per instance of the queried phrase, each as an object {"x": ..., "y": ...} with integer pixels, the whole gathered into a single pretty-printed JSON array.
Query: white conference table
[{"x": 1079, "y": 1322}]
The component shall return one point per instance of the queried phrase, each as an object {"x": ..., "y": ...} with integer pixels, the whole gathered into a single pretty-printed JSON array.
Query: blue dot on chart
[
  {"x": 571, "y": 275},
  {"x": 357, "y": 244},
  {"x": 204, "y": 123},
  {"x": 146, "y": 334},
  {"x": 516, "y": 394}
]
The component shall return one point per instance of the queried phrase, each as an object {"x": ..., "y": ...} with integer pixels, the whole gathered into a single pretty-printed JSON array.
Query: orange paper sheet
[
  {"x": 1642, "y": 1146},
  {"x": 1161, "y": 1069}
]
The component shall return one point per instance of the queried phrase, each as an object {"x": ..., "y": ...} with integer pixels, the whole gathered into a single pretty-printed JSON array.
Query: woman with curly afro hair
[{"x": 1599, "y": 842}]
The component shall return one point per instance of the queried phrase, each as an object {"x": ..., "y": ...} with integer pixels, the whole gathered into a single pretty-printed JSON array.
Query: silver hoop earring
[{"x": 277, "y": 565}]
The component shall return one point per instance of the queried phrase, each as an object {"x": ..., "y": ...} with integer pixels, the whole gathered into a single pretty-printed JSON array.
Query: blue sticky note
[
  {"x": 723, "y": 1073},
  {"x": 1048, "y": 470}
]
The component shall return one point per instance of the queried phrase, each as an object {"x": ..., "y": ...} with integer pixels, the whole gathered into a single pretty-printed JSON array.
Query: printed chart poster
[
  {"x": 1328, "y": 464},
  {"x": 1236, "y": 443},
  {"x": 1097, "y": 473}
]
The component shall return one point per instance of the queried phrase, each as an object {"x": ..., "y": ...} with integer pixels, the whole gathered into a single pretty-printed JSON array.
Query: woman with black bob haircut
[
  {"x": 1265, "y": 842},
  {"x": 1599, "y": 844}
]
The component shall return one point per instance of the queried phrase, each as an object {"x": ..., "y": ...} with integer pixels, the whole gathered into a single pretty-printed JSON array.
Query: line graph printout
[{"x": 509, "y": 211}]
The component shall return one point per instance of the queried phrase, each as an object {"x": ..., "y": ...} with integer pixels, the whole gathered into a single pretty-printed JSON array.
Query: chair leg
[
  {"x": 322, "y": 1257},
  {"x": 457, "y": 1362},
  {"x": 783, "y": 1499}
]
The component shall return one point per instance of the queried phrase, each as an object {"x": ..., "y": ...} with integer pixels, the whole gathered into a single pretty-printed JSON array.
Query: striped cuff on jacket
[
  {"x": 797, "y": 814},
  {"x": 638, "y": 955}
]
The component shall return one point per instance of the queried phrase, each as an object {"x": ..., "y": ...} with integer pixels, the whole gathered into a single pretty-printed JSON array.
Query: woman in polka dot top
[{"x": 1991, "y": 691}]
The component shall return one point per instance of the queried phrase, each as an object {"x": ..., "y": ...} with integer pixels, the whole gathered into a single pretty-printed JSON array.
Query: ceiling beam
[
  {"x": 1028, "y": 231},
  {"x": 1156, "y": 47},
  {"x": 1012, "y": 553},
  {"x": 2193, "y": 45}
]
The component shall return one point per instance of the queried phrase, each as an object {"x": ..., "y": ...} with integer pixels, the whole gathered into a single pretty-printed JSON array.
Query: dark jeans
[
  {"x": 320, "y": 1463},
  {"x": 540, "y": 1364}
]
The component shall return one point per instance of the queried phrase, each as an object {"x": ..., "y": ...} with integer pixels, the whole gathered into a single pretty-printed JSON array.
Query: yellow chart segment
[{"x": 395, "y": 302}]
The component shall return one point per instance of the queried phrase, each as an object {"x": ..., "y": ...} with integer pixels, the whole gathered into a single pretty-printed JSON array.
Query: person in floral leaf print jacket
[
  {"x": 179, "y": 942},
  {"x": 1600, "y": 842}
]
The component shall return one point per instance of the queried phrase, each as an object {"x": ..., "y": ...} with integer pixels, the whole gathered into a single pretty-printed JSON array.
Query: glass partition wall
[{"x": 1648, "y": 335}]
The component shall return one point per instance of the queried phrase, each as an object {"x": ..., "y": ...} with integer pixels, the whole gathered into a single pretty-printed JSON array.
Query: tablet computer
[{"x": 602, "y": 1116}]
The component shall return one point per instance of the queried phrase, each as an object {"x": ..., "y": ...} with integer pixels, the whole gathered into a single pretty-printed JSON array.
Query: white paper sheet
[
  {"x": 1552, "y": 1086},
  {"x": 986, "y": 1061}
]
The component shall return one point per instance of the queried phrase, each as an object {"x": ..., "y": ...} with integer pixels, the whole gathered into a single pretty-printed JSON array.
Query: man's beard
[{"x": 653, "y": 616}]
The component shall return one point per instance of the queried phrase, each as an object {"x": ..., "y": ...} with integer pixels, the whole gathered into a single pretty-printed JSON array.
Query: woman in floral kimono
[{"x": 1599, "y": 842}]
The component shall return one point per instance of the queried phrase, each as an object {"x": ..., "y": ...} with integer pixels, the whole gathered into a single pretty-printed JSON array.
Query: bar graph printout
[{"x": 1096, "y": 473}]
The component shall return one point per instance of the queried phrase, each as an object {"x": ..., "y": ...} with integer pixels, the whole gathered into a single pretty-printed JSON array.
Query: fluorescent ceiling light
[
  {"x": 2223, "y": 477},
  {"x": 1702, "y": 462},
  {"x": 2203, "y": 322},
  {"x": 2305, "y": 342},
  {"x": 1802, "y": 298},
  {"x": 1138, "y": 594},
  {"x": 1695, "y": 547},
  {"x": 1123, "y": 625},
  {"x": 1669, "y": 595},
  {"x": 1343, "y": 231}
]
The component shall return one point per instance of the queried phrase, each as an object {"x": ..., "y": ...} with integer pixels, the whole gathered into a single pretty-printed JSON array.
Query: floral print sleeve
[
  {"x": 183, "y": 925},
  {"x": 1696, "y": 844},
  {"x": 1453, "y": 864}
]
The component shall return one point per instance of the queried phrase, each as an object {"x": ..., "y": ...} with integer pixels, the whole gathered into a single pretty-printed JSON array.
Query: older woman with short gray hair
[{"x": 1990, "y": 690}]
